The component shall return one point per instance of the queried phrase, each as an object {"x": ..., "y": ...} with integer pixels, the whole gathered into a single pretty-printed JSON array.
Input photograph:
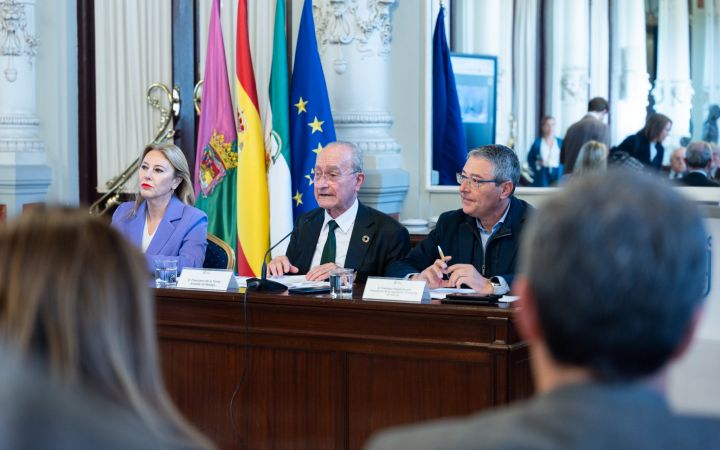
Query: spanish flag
[{"x": 253, "y": 218}]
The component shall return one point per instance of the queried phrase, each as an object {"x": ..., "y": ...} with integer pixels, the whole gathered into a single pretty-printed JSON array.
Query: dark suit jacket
[
  {"x": 589, "y": 416},
  {"x": 586, "y": 129},
  {"x": 377, "y": 240},
  {"x": 697, "y": 179},
  {"x": 637, "y": 146},
  {"x": 457, "y": 234}
]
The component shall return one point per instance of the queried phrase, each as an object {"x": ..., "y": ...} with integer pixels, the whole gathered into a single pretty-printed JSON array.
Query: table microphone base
[{"x": 265, "y": 285}]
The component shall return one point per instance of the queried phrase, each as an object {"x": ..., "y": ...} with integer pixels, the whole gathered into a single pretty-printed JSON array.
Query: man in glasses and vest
[
  {"x": 342, "y": 232},
  {"x": 476, "y": 246}
]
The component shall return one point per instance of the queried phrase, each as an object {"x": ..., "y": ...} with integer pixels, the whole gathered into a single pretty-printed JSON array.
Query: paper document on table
[
  {"x": 508, "y": 298},
  {"x": 441, "y": 293},
  {"x": 291, "y": 281}
]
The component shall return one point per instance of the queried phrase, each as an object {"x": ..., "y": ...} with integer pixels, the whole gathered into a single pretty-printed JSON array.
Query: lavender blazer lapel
[
  {"x": 136, "y": 225},
  {"x": 166, "y": 228}
]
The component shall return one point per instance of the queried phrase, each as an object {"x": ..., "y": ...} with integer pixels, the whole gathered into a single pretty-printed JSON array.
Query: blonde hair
[
  {"x": 591, "y": 158},
  {"x": 74, "y": 294},
  {"x": 176, "y": 157}
]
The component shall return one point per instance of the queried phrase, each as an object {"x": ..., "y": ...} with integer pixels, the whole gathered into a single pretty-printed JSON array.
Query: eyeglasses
[
  {"x": 331, "y": 176},
  {"x": 474, "y": 182}
]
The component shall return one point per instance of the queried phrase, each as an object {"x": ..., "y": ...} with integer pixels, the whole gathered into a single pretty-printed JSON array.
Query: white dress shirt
[{"x": 346, "y": 223}]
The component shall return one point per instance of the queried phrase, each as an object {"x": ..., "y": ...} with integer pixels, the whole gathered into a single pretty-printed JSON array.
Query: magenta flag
[{"x": 217, "y": 156}]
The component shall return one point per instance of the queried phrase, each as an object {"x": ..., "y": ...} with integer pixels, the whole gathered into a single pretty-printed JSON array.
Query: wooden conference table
[{"x": 316, "y": 373}]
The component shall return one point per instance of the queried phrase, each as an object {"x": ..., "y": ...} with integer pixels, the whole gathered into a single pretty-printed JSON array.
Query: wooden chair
[{"x": 218, "y": 255}]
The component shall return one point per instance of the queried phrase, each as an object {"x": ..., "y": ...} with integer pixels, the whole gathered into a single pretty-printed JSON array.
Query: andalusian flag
[
  {"x": 216, "y": 154},
  {"x": 311, "y": 122},
  {"x": 281, "y": 218},
  {"x": 253, "y": 219}
]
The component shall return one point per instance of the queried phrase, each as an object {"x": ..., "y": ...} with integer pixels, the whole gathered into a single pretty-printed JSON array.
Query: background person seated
[
  {"x": 604, "y": 313},
  {"x": 698, "y": 158},
  {"x": 678, "y": 168},
  {"x": 162, "y": 221},
  {"x": 646, "y": 145},
  {"x": 342, "y": 232},
  {"x": 74, "y": 295},
  {"x": 480, "y": 241}
]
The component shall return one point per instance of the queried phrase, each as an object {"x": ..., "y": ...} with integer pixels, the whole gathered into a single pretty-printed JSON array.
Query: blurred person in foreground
[
  {"x": 604, "y": 313},
  {"x": 74, "y": 295},
  {"x": 162, "y": 220},
  {"x": 39, "y": 413}
]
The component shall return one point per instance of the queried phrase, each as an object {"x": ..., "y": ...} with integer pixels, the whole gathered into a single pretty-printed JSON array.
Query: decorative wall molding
[
  {"x": 574, "y": 83},
  {"x": 363, "y": 117},
  {"x": 342, "y": 22},
  {"x": 675, "y": 93},
  {"x": 19, "y": 120},
  {"x": 15, "y": 38},
  {"x": 22, "y": 146}
]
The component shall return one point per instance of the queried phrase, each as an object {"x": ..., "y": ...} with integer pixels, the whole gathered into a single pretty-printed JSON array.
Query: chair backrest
[{"x": 218, "y": 255}]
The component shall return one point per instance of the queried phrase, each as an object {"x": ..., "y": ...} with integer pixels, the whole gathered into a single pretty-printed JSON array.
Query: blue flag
[
  {"x": 311, "y": 122},
  {"x": 449, "y": 148}
]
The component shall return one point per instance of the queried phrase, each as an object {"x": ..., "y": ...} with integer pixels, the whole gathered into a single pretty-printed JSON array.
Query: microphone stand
[{"x": 262, "y": 284}]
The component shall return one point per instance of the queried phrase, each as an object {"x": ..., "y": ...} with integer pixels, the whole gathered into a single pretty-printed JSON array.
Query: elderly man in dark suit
[
  {"x": 342, "y": 232},
  {"x": 590, "y": 128},
  {"x": 603, "y": 313},
  {"x": 698, "y": 158}
]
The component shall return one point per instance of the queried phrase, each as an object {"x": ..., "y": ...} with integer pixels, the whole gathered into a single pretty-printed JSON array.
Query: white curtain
[
  {"x": 711, "y": 59},
  {"x": 630, "y": 80},
  {"x": 133, "y": 50},
  {"x": 526, "y": 67},
  {"x": 599, "y": 49},
  {"x": 673, "y": 89},
  {"x": 553, "y": 62}
]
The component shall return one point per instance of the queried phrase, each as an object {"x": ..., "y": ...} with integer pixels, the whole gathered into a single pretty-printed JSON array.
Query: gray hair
[
  {"x": 617, "y": 264},
  {"x": 698, "y": 154},
  {"x": 357, "y": 162},
  {"x": 506, "y": 166}
]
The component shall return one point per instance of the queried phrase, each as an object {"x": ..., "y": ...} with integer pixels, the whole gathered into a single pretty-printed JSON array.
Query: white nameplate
[
  {"x": 206, "y": 279},
  {"x": 395, "y": 290}
]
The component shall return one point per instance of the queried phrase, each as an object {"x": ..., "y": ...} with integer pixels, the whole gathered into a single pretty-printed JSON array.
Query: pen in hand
[{"x": 442, "y": 256}]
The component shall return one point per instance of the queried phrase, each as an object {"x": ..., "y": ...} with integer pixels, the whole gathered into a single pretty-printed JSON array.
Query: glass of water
[
  {"x": 341, "y": 283},
  {"x": 166, "y": 269}
]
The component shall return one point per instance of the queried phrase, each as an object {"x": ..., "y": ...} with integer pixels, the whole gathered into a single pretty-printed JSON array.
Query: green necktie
[{"x": 328, "y": 254}]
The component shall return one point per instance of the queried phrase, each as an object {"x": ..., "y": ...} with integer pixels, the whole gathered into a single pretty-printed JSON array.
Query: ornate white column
[
  {"x": 571, "y": 24},
  {"x": 629, "y": 78},
  {"x": 673, "y": 90},
  {"x": 355, "y": 39},
  {"x": 24, "y": 173}
]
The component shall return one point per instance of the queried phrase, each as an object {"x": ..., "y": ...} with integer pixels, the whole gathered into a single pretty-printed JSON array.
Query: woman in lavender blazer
[{"x": 162, "y": 221}]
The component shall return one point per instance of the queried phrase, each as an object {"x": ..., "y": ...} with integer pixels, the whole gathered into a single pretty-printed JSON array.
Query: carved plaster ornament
[
  {"x": 15, "y": 40},
  {"x": 339, "y": 23}
]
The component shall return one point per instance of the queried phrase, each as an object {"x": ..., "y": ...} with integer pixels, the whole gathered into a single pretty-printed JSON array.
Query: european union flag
[
  {"x": 311, "y": 122},
  {"x": 449, "y": 148}
]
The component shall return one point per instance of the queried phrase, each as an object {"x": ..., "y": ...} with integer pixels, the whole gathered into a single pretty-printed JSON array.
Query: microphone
[{"x": 262, "y": 284}]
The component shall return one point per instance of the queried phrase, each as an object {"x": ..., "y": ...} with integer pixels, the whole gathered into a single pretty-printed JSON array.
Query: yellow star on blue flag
[{"x": 310, "y": 97}]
